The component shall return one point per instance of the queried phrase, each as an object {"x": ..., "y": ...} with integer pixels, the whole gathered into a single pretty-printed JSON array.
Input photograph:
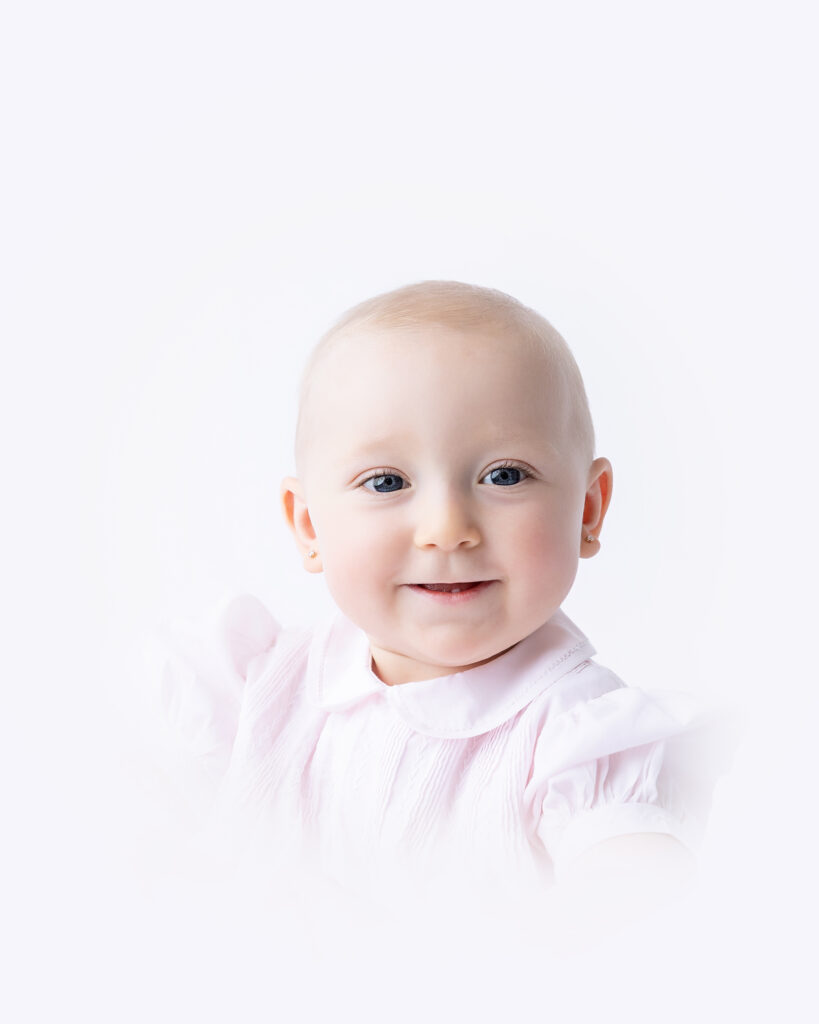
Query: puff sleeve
[
  {"x": 629, "y": 761},
  {"x": 202, "y": 677}
]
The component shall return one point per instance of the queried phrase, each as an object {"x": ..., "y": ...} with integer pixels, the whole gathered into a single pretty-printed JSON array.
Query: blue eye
[
  {"x": 385, "y": 484},
  {"x": 505, "y": 476}
]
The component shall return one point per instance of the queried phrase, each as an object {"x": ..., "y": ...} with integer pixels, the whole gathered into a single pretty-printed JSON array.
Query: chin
[{"x": 462, "y": 659}]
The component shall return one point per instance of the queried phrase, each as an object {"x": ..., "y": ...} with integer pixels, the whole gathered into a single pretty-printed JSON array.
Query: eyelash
[
  {"x": 379, "y": 473},
  {"x": 525, "y": 471}
]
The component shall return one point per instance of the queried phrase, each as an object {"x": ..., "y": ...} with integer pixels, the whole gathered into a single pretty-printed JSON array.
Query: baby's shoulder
[
  {"x": 586, "y": 682},
  {"x": 251, "y": 637},
  {"x": 591, "y": 713},
  {"x": 209, "y": 668}
]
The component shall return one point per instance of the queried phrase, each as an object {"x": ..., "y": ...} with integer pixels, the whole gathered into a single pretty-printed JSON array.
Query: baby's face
[{"x": 443, "y": 494}]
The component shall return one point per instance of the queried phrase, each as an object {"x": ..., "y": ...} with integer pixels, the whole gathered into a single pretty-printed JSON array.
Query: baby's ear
[
  {"x": 298, "y": 519},
  {"x": 598, "y": 496}
]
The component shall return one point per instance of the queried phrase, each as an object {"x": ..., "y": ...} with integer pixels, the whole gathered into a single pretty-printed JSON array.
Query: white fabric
[{"x": 508, "y": 771}]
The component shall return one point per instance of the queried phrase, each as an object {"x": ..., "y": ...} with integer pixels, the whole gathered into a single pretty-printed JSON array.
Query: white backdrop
[{"x": 194, "y": 192}]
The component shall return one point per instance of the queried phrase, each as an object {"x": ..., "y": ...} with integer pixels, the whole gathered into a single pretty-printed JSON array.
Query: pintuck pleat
[{"x": 384, "y": 769}]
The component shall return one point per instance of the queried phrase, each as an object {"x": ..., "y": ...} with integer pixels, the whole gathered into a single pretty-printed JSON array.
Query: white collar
[{"x": 456, "y": 706}]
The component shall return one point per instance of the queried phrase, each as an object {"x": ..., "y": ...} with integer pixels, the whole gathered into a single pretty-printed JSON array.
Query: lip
[{"x": 474, "y": 590}]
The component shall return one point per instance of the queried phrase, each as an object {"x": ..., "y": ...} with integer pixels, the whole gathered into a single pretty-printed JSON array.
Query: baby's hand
[
  {"x": 616, "y": 883},
  {"x": 651, "y": 857}
]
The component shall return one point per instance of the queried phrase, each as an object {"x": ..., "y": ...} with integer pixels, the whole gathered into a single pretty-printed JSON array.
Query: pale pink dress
[{"x": 498, "y": 776}]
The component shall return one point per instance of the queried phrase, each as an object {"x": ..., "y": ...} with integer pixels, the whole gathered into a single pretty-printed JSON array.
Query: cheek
[
  {"x": 548, "y": 542},
  {"x": 357, "y": 553},
  {"x": 347, "y": 534}
]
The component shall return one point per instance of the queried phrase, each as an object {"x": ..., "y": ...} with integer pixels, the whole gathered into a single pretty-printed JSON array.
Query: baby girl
[{"x": 449, "y": 721}]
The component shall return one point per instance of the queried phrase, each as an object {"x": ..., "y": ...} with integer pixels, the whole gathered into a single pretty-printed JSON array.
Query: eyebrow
[
  {"x": 373, "y": 447},
  {"x": 514, "y": 439}
]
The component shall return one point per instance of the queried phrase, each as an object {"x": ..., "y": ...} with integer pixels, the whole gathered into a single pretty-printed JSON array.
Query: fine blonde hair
[{"x": 465, "y": 307}]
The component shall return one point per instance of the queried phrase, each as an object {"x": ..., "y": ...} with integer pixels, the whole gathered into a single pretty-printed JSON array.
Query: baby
[{"x": 449, "y": 721}]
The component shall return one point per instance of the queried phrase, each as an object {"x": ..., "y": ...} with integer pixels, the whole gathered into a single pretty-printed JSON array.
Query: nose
[{"x": 446, "y": 521}]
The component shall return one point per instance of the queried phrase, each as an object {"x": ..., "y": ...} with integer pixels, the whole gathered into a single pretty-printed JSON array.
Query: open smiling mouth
[{"x": 452, "y": 591}]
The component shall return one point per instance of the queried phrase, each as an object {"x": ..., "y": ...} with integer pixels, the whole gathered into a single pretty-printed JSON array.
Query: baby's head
[{"x": 447, "y": 483}]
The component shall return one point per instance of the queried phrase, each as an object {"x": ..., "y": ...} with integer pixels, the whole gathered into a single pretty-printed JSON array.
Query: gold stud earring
[{"x": 312, "y": 554}]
